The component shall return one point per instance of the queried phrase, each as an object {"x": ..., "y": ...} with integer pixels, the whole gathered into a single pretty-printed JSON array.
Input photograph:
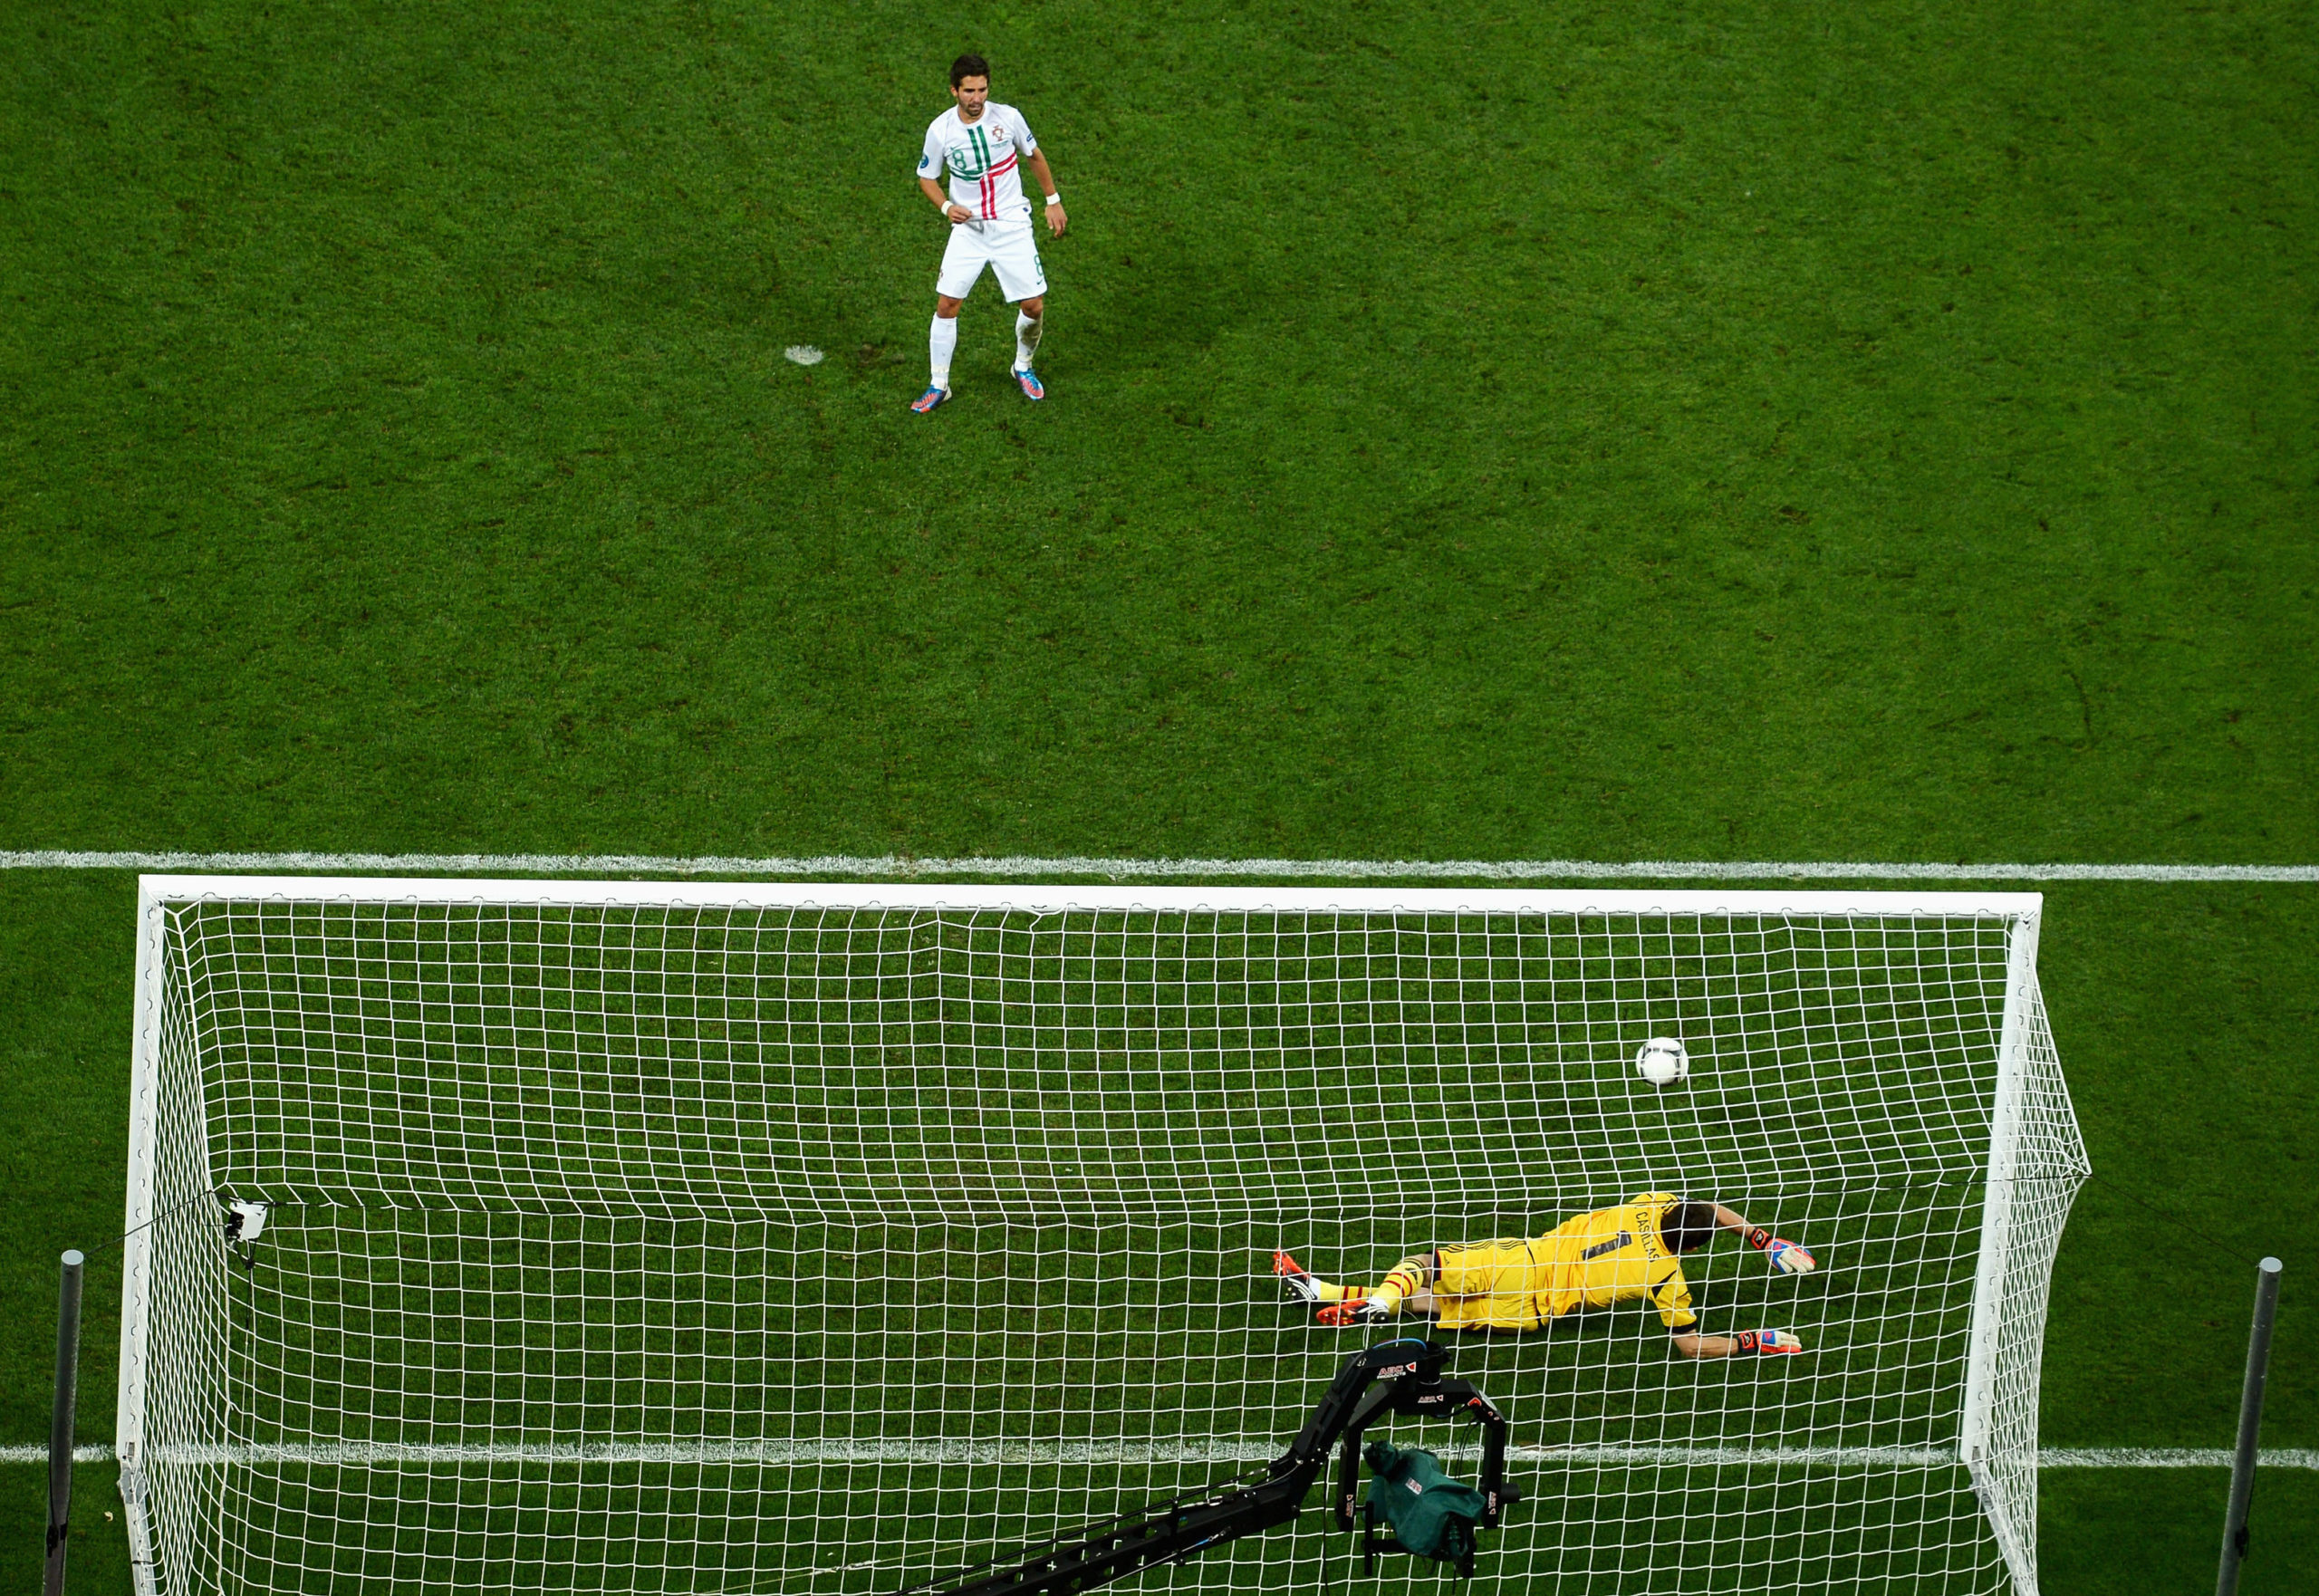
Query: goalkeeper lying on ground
[{"x": 1628, "y": 1254}]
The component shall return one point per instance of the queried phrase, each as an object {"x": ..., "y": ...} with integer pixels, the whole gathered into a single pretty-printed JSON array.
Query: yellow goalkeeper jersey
[{"x": 1611, "y": 1256}]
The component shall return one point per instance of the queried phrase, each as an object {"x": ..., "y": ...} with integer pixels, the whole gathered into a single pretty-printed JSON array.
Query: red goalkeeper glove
[
  {"x": 1786, "y": 1255},
  {"x": 1767, "y": 1341}
]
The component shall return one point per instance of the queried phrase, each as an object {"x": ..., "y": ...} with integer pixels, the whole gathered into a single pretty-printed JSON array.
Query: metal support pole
[
  {"x": 60, "y": 1424},
  {"x": 2250, "y": 1422}
]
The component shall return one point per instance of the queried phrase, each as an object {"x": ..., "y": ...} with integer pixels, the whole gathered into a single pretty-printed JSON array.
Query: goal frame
[
  {"x": 2022, "y": 911},
  {"x": 1977, "y": 1446}
]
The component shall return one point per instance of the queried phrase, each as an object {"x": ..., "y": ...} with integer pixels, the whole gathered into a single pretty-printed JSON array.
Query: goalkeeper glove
[
  {"x": 1767, "y": 1341},
  {"x": 1786, "y": 1255},
  {"x": 1368, "y": 1311}
]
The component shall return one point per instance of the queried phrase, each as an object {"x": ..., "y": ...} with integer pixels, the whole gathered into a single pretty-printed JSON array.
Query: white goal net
[{"x": 717, "y": 1240}]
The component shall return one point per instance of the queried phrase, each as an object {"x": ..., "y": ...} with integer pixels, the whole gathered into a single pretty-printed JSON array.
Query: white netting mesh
[
  {"x": 2037, "y": 1165},
  {"x": 747, "y": 1249}
]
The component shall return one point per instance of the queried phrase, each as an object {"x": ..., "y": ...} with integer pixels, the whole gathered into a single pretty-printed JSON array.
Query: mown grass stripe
[{"x": 1069, "y": 865}]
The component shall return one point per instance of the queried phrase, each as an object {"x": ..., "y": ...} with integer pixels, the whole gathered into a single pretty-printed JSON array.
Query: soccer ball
[{"x": 1662, "y": 1061}]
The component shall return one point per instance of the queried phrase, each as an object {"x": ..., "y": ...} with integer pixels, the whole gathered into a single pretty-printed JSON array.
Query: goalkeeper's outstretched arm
[
  {"x": 1693, "y": 1345},
  {"x": 1783, "y": 1256}
]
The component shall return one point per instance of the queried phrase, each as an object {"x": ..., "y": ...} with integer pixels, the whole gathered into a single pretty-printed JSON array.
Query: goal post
[
  {"x": 734, "y": 1239},
  {"x": 2035, "y": 1162},
  {"x": 155, "y": 1016}
]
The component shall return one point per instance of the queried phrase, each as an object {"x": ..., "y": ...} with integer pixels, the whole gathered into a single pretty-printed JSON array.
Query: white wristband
[
  {"x": 944, "y": 205},
  {"x": 1054, "y": 199}
]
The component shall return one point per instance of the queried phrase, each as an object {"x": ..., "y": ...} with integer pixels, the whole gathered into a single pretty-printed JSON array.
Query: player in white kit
[{"x": 983, "y": 147}]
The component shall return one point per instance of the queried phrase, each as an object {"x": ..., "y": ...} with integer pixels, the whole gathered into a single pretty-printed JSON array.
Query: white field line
[
  {"x": 328, "y": 1453},
  {"x": 888, "y": 866}
]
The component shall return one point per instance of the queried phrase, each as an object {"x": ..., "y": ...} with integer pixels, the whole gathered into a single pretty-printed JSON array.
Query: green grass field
[{"x": 1727, "y": 432}]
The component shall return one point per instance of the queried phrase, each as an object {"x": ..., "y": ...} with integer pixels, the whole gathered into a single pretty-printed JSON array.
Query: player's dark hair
[
  {"x": 1687, "y": 1226},
  {"x": 969, "y": 65}
]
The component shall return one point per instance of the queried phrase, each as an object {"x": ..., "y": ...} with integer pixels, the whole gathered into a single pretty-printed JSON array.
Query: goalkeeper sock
[
  {"x": 1026, "y": 339},
  {"x": 941, "y": 344},
  {"x": 1304, "y": 1283},
  {"x": 1405, "y": 1282}
]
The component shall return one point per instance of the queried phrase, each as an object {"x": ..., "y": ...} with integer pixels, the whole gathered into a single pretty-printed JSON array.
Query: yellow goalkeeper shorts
[{"x": 1490, "y": 1285}]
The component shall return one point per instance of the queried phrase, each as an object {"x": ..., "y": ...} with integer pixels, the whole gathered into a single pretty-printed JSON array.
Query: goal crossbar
[{"x": 1039, "y": 898}]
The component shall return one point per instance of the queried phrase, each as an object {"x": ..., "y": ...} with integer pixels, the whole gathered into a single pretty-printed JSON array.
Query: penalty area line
[
  {"x": 1121, "y": 1453},
  {"x": 1018, "y": 866}
]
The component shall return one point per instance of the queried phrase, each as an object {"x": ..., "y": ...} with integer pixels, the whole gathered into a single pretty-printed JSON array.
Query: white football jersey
[{"x": 985, "y": 160}]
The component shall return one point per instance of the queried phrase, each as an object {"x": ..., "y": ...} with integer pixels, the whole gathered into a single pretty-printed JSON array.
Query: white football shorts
[{"x": 1007, "y": 248}]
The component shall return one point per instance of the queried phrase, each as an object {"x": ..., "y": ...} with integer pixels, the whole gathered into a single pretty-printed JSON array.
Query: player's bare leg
[
  {"x": 1030, "y": 322},
  {"x": 942, "y": 343}
]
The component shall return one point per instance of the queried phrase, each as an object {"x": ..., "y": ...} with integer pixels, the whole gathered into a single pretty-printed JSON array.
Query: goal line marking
[
  {"x": 894, "y": 866},
  {"x": 358, "y": 1454}
]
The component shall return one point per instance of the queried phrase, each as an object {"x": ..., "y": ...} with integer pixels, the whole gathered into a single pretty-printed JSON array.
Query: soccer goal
[{"x": 806, "y": 1240}]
